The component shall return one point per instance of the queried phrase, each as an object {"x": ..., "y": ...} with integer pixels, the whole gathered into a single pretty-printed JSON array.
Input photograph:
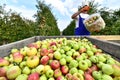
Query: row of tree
[
  {"x": 13, "y": 27},
  {"x": 111, "y": 18}
]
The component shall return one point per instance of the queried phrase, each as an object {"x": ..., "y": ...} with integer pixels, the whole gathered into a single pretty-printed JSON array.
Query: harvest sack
[{"x": 94, "y": 23}]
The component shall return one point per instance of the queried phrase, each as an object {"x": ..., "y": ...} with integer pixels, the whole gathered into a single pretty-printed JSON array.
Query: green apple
[
  {"x": 13, "y": 72},
  {"x": 40, "y": 69},
  {"x": 90, "y": 53},
  {"x": 46, "y": 68},
  {"x": 69, "y": 53},
  {"x": 32, "y": 61},
  {"x": 96, "y": 74},
  {"x": 101, "y": 58},
  {"x": 22, "y": 77},
  {"x": 66, "y": 48},
  {"x": 43, "y": 77},
  {"x": 68, "y": 59},
  {"x": 89, "y": 62},
  {"x": 100, "y": 64},
  {"x": 81, "y": 72},
  {"x": 79, "y": 58},
  {"x": 93, "y": 59},
  {"x": 116, "y": 78},
  {"x": 76, "y": 46},
  {"x": 73, "y": 63},
  {"x": 24, "y": 50},
  {"x": 107, "y": 69},
  {"x": 33, "y": 70},
  {"x": 14, "y": 50},
  {"x": 57, "y": 55},
  {"x": 49, "y": 73},
  {"x": 83, "y": 65},
  {"x": 73, "y": 70},
  {"x": 22, "y": 64},
  {"x": 63, "y": 55},
  {"x": 63, "y": 61},
  {"x": 62, "y": 51},
  {"x": 75, "y": 54},
  {"x": 110, "y": 61},
  {"x": 51, "y": 78},
  {"x": 77, "y": 76},
  {"x": 26, "y": 70},
  {"x": 116, "y": 69},
  {"x": 106, "y": 77},
  {"x": 85, "y": 56}
]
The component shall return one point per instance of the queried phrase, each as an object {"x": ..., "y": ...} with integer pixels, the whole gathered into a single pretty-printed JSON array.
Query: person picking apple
[{"x": 79, "y": 17}]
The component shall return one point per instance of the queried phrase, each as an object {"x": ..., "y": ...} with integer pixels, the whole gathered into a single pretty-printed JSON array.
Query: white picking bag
[{"x": 94, "y": 23}]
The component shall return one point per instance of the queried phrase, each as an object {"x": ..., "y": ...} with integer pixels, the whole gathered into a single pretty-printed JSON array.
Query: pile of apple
[{"x": 59, "y": 59}]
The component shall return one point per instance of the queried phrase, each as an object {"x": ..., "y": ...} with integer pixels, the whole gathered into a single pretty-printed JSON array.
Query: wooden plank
[{"x": 107, "y": 37}]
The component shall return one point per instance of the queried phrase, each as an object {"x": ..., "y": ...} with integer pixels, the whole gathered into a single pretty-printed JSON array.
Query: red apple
[
  {"x": 17, "y": 57},
  {"x": 57, "y": 73},
  {"x": 68, "y": 76},
  {"x": 3, "y": 72},
  {"x": 51, "y": 51},
  {"x": 3, "y": 62},
  {"x": 64, "y": 69},
  {"x": 88, "y": 76},
  {"x": 82, "y": 50},
  {"x": 53, "y": 43},
  {"x": 55, "y": 64},
  {"x": 33, "y": 76},
  {"x": 60, "y": 78},
  {"x": 44, "y": 52},
  {"x": 44, "y": 60},
  {"x": 91, "y": 69},
  {"x": 33, "y": 45}
]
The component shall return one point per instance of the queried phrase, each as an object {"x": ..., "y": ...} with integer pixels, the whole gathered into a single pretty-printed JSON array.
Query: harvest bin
[{"x": 108, "y": 47}]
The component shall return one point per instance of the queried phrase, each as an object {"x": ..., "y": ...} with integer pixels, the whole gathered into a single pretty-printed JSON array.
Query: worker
[{"x": 79, "y": 17}]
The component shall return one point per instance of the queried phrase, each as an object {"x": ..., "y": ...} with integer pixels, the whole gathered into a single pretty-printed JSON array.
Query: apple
[
  {"x": 50, "y": 55},
  {"x": 22, "y": 77},
  {"x": 73, "y": 70},
  {"x": 33, "y": 76},
  {"x": 3, "y": 78},
  {"x": 55, "y": 64},
  {"x": 33, "y": 70},
  {"x": 107, "y": 69},
  {"x": 62, "y": 51},
  {"x": 60, "y": 78},
  {"x": 43, "y": 77},
  {"x": 73, "y": 63},
  {"x": 101, "y": 58},
  {"x": 116, "y": 78},
  {"x": 34, "y": 45},
  {"x": 32, "y": 61},
  {"x": 3, "y": 62},
  {"x": 69, "y": 53},
  {"x": 106, "y": 77},
  {"x": 92, "y": 68},
  {"x": 66, "y": 48},
  {"x": 22, "y": 64},
  {"x": 84, "y": 55},
  {"x": 57, "y": 55},
  {"x": 17, "y": 57},
  {"x": 68, "y": 59},
  {"x": 24, "y": 50},
  {"x": 75, "y": 54},
  {"x": 13, "y": 72},
  {"x": 90, "y": 53},
  {"x": 44, "y": 52},
  {"x": 96, "y": 74},
  {"x": 79, "y": 58},
  {"x": 110, "y": 61},
  {"x": 68, "y": 76},
  {"x": 77, "y": 76},
  {"x": 81, "y": 72},
  {"x": 53, "y": 43},
  {"x": 89, "y": 62},
  {"x": 14, "y": 50},
  {"x": 64, "y": 69},
  {"x": 83, "y": 65},
  {"x": 49, "y": 73},
  {"x": 93, "y": 59},
  {"x": 26, "y": 70},
  {"x": 51, "y": 78},
  {"x": 116, "y": 69},
  {"x": 40, "y": 69},
  {"x": 82, "y": 49},
  {"x": 89, "y": 77},
  {"x": 32, "y": 51},
  {"x": 44, "y": 60},
  {"x": 3, "y": 71},
  {"x": 51, "y": 51},
  {"x": 63, "y": 56},
  {"x": 63, "y": 61},
  {"x": 57, "y": 73},
  {"x": 76, "y": 46},
  {"x": 100, "y": 64},
  {"x": 46, "y": 68}
]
